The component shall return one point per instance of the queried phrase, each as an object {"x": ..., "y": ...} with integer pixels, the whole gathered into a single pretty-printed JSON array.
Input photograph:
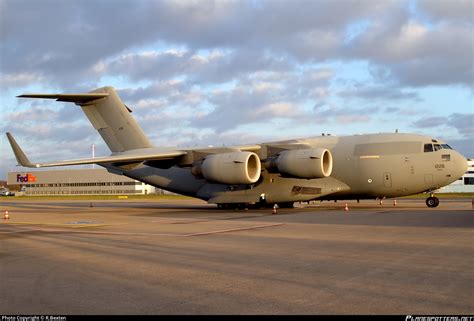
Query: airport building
[
  {"x": 465, "y": 184},
  {"x": 77, "y": 182}
]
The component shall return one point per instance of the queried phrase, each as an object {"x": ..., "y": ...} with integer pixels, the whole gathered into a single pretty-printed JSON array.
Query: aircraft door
[
  {"x": 429, "y": 179},
  {"x": 387, "y": 180}
]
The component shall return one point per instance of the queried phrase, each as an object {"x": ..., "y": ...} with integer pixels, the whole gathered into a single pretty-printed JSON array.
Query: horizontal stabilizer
[{"x": 79, "y": 99}]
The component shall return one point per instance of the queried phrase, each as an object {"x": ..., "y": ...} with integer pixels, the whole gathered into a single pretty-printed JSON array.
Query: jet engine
[
  {"x": 230, "y": 168},
  {"x": 305, "y": 163}
]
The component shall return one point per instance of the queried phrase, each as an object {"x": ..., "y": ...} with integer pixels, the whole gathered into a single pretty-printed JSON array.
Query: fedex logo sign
[{"x": 28, "y": 178}]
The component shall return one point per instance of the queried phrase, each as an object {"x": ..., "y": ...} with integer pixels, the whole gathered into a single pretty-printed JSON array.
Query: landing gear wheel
[
  {"x": 432, "y": 201},
  {"x": 226, "y": 206},
  {"x": 232, "y": 206},
  {"x": 286, "y": 205}
]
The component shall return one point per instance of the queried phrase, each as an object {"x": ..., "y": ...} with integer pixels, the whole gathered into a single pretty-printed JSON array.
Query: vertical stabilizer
[
  {"x": 108, "y": 115},
  {"x": 112, "y": 119}
]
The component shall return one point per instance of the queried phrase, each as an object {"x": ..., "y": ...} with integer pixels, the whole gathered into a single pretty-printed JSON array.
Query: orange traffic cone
[
  {"x": 6, "y": 216},
  {"x": 394, "y": 202},
  {"x": 274, "y": 211},
  {"x": 346, "y": 208}
]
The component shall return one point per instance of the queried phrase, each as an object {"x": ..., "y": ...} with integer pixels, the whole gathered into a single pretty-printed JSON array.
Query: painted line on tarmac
[
  {"x": 236, "y": 229},
  {"x": 69, "y": 231},
  {"x": 193, "y": 220},
  {"x": 69, "y": 225},
  {"x": 182, "y": 220},
  {"x": 16, "y": 232}
]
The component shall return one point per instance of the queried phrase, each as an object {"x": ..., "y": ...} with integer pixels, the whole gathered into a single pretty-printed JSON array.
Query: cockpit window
[{"x": 435, "y": 147}]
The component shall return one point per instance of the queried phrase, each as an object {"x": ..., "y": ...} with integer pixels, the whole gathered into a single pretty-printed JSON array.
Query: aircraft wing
[{"x": 143, "y": 156}]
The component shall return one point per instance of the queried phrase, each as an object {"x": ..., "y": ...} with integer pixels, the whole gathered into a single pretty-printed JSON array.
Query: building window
[{"x": 468, "y": 180}]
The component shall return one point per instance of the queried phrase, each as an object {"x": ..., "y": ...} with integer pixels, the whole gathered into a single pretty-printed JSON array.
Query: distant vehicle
[
  {"x": 327, "y": 167},
  {"x": 6, "y": 192}
]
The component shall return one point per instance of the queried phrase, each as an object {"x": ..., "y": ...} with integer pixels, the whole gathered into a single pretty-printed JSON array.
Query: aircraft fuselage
[{"x": 364, "y": 166}]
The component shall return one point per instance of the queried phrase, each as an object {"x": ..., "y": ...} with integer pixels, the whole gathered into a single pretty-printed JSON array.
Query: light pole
[{"x": 93, "y": 154}]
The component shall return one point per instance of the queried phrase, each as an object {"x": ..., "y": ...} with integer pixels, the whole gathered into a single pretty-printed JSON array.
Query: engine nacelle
[
  {"x": 231, "y": 168},
  {"x": 305, "y": 163}
]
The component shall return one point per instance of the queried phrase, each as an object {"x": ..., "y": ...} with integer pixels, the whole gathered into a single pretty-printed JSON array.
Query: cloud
[
  {"x": 408, "y": 52},
  {"x": 431, "y": 122},
  {"x": 150, "y": 65},
  {"x": 66, "y": 43},
  {"x": 18, "y": 79},
  {"x": 263, "y": 97},
  {"x": 389, "y": 93},
  {"x": 253, "y": 97},
  {"x": 463, "y": 123},
  {"x": 38, "y": 111},
  {"x": 454, "y": 10},
  {"x": 464, "y": 145},
  {"x": 46, "y": 136},
  {"x": 215, "y": 67}
]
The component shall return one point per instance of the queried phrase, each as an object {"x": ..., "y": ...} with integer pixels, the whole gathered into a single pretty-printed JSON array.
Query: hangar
[{"x": 77, "y": 182}]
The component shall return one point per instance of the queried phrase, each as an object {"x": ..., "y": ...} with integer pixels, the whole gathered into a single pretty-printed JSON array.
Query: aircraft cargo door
[{"x": 387, "y": 180}]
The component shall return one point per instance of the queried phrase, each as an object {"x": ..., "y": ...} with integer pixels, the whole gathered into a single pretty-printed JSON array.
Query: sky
[{"x": 199, "y": 73}]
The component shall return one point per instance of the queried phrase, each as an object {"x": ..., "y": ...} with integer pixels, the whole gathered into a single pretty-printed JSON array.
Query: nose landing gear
[{"x": 432, "y": 201}]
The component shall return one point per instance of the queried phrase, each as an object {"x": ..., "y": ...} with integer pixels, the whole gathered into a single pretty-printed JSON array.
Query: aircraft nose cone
[{"x": 459, "y": 165}]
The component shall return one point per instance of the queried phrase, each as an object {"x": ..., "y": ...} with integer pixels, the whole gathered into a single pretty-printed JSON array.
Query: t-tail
[{"x": 109, "y": 116}]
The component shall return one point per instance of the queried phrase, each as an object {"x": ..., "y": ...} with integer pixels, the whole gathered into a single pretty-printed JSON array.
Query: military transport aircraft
[{"x": 325, "y": 167}]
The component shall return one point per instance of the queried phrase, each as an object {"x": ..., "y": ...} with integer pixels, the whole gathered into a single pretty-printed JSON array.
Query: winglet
[{"x": 19, "y": 154}]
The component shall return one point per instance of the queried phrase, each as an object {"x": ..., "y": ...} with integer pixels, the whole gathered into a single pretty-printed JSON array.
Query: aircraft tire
[
  {"x": 226, "y": 206},
  {"x": 286, "y": 205},
  {"x": 432, "y": 201}
]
